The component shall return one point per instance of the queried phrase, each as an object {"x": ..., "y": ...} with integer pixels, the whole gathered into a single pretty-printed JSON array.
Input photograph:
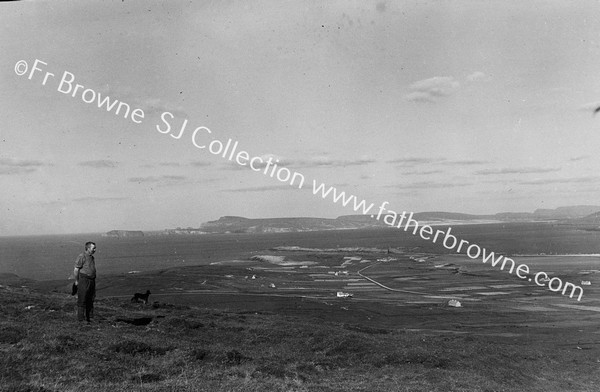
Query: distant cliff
[
  {"x": 589, "y": 222},
  {"x": 572, "y": 212},
  {"x": 238, "y": 224},
  {"x": 124, "y": 233}
]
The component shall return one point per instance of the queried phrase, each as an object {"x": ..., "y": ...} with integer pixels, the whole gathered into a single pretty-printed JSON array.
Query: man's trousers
[{"x": 86, "y": 292}]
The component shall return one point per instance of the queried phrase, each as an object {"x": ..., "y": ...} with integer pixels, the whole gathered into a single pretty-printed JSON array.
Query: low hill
[
  {"x": 571, "y": 212},
  {"x": 593, "y": 219},
  {"x": 123, "y": 233},
  {"x": 230, "y": 224},
  {"x": 589, "y": 222},
  {"x": 454, "y": 216}
]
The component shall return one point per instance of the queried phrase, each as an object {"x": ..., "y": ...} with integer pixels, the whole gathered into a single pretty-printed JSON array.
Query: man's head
[{"x": 90, "y": 247}]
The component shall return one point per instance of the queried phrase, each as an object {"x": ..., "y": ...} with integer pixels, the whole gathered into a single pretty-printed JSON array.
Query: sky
[{"x": 464, "y": 106}]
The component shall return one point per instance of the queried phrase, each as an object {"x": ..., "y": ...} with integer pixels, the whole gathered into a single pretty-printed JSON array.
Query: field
[{"x": 270, "y": 319}]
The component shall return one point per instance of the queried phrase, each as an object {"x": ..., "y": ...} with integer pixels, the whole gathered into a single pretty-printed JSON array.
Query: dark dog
[{"x": 137, "y": 297}]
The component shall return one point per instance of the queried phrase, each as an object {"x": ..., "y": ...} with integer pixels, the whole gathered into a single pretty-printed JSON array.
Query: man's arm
[
  {"x": 78, "y": 266},
  {"x": 76, "y": 275}
]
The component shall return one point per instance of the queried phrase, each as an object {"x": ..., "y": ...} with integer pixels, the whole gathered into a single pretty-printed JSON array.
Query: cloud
[
  {"x": 100, "y": 164},
  {"x": 466, "y": 162},
  {"x": 314, "y": 163},
  {"x": 561, "y": 180},
  {"x": 157, "y": 105},
  {"x": 16, "y": 170},
  {"x": 328, "y": 162},
  {"x": 579, "y": 158},
  {"x": 173, "y": 178},
  {"x": 177, "y": 164},
  {"x": 200, "y": 163},
  {"x": 517, "y": 170},
  {"x": 19, "y": 162},
  {"x": 164, "y": 164},
  {"x": 9, "y": 166},
  {"x": 422, "y": 172},
  {"x": 97, "y": 199},
  {"x": 268, "y": 188},
  {"x": 439, "y": 86},
  {"x": 149, "y": 105},
  {"x": 477, "y": 77},
  {"x": 259, "y": 164},
  {"x": 418, "y": 96},
  {"x": 429, "y": 185},
  {"x": 170, "y": 164},
  {"x": 432, "y": 89},
  {"x": 158, "y": 179},
  {"x": 412, "y": 161}
]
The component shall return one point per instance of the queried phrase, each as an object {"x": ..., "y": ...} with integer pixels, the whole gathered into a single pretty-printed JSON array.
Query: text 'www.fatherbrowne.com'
[{"x": 203, "y": 139}]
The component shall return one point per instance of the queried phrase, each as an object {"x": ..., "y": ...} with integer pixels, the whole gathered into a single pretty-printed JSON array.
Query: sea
[{"x": 52, "y": 257}]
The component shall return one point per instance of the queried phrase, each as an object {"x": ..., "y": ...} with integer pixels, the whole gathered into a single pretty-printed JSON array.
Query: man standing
[{"x": 85, "y": 280}]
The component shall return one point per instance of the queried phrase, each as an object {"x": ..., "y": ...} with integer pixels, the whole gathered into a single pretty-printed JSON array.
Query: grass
[{"x": 43, "y": 348}]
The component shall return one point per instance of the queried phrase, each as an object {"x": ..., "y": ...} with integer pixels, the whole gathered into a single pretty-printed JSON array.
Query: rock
[{"x": 454, "y": 303}]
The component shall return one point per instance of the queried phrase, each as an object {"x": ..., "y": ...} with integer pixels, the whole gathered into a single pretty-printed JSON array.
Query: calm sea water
[{"x": 52, "y": 257}]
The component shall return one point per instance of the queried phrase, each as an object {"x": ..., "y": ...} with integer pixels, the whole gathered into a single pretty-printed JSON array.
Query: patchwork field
[{"x": 400, "y": 320}]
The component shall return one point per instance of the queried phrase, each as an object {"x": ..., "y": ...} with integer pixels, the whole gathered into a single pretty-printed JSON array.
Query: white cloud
[
  {"x": 150, "y": 105},
  {"x": 518, "y": 170},
  {"x": 157, "y": 105},
  {"x": 430, "y": 90},
  {"x": 418, "y": 96},
  {"x": 477, "y": 77}
]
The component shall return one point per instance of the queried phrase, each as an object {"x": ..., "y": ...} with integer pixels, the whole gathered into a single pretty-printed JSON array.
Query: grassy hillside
[{"x": 180, "y": 348}]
